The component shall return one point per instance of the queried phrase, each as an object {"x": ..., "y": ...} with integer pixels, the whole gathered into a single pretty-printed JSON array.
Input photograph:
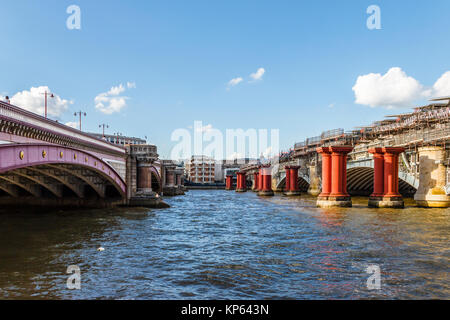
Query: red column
[
  {"x": 339, "y": 171},
  {"x": 391, "y": 155},
  {"x": 266, "y": 178},
  {"x": 378, "y": 172},
  {"x": 288, "y": 178},
  {"x": 229, "y": 182},
  {"x": 241, "y": 182},
  {"x": 294, "y": 179},
  {"x": 326, "y": 171}
]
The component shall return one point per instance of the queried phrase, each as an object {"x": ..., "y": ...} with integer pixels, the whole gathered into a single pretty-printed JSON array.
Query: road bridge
[{"x": 43, "y": 162}]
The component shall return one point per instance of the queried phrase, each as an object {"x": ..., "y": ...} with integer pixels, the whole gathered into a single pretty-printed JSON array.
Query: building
[
  {"x": 200, "y": 169},
  {"x": 119, "y": 139}
]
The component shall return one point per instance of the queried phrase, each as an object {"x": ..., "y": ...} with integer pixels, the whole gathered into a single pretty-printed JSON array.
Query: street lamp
[
  {"x": 80, "y": 113},
  {"x": 103, "y": 125},
  {"x": 117, "y": 134},
  {"x": 51, "y": 96}
]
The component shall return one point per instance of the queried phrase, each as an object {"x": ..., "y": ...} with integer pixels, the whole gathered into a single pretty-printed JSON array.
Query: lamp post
[
  {"x": 117, "y": 134},
  {"x": 103, "y": 125},
  {"x": 45, "y": 105},
  {"x": 80, "y": 113}
]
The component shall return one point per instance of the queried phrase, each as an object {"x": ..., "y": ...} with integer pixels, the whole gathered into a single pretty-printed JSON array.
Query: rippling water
[{"x": 216, "y": 244}]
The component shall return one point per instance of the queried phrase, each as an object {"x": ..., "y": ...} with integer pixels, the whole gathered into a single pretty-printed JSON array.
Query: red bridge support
[
  {"x": 255, "y": 182},
  {"x": 241, "y": 182},
  {"x": 292, "y": 181},
  {"x": 265, "y": 173},
  {"x": 334, "y": 177},
  {"x": 385, "y": 178},
  {"x": 229, "y": 182}
]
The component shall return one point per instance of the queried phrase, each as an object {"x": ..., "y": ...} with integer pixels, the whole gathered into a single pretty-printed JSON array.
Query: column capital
[
  {"x": 375, "y": 150},
  {"x": 341, "y": 149},
  {"x": 393, "y": 150},
  {"x": 325, "y": 150}
]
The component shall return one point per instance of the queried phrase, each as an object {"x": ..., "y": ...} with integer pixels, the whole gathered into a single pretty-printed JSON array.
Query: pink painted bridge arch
[{"x": 46, "y": 169}]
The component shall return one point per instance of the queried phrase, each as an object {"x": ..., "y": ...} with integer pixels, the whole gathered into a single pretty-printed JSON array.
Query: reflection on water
[{"x": 216, "y": 244}]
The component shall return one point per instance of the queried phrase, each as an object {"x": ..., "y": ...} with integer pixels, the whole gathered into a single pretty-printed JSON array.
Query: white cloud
[
  {"x": 258, "y": 74},
  {"x": 396, "y": 89},
  {"x": 442, "y": 86},
  {"x": 72, "y": 124},
  {"x": 33, "y": 100},
  {"x": 391, "y": 90},
  {"x": 111, "y": 101},
  {"x": 331, "y": 105},
  {"x": 235, "y": 81}
]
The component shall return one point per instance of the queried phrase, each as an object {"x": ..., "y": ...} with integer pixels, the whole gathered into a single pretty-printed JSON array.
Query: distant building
[
  {"x": 118, "y": 139},
  {"x": 200, "y": 169}
]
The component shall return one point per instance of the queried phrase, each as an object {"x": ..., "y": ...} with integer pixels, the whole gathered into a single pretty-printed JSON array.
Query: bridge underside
[
  {"x": 57, "y": 185},
  {"x": 303, "y": 185},
  {"x": 360, "y": 183}
]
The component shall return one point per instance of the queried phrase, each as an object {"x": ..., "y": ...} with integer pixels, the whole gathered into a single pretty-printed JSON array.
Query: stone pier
[{"x": 432, "y": 179}]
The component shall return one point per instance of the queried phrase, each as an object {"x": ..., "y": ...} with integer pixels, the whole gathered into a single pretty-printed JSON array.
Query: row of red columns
[
  {"x": 385, "y": 179},
  {"x": 292, "y": 179},
  {"x": 265, "y": 181},
  {"x": 241, "y": 183},
  {"x": 229, "y": 182},
  {"x": 334, "y": 174},
  {"x": 334, "y": 171}
]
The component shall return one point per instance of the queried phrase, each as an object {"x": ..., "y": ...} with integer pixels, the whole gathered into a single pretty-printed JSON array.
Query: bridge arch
[
  {"x": 51, "y": 168},
  {"x": 360, "y": 182},
  {"x": 303, "y": 184}
]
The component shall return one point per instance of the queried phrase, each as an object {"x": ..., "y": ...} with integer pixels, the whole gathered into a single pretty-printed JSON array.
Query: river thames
[{"x": 217, "y": 244}]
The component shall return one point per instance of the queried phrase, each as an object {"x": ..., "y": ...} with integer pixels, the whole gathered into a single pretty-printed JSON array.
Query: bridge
[
  {"x": 421, "y": 168},
  {"x": 45, "y": 163}
]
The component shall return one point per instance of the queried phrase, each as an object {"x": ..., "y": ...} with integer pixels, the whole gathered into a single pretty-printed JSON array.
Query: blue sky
[{"x": 181, "y": 55}]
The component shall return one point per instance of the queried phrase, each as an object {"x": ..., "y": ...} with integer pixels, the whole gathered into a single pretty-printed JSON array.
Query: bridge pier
[
  {"x": 432, "y": 179},
  {"x": 314, "y": 182},
  {"x": 385, "y": 181},
  {"x": 266, "y": 179},
  {"x": 229, "y": 182},
  {"x": 334, "y": 177},
  {"x": 255, "y": 182},
  {"x": 241, "y": 182},
  {"x": 292, "y": 181}
]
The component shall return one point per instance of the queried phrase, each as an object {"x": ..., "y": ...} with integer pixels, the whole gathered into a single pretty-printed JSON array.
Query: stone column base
[
  {"x": 313, "y": 192},
  {"x": 255, "y": 190},
  {"x": 265, "y": 193},
  {"x": 328, "y": 202},
  {"x": 386, "y": 202},
  {"x": 148, "y": 202},
  {"x": 432, "y": 201},
  {"x": 229, "y": 189},
  {"x": 292, "y": 193},
  {"x": 241, "y": 190}
]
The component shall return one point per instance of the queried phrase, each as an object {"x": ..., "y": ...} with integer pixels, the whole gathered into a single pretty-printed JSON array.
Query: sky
[{"x": 147, "y": 68}]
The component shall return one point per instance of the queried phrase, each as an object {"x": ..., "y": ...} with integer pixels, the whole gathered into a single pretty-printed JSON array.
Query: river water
[{"x": 216, "y": 244}]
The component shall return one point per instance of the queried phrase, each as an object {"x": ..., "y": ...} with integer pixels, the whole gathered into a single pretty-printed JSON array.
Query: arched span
[
  {"x": 156, "y": 180},
  {"x": 360, "y": 182},
  {"x": 303, "y": 185},
  {"x": 18, "y": 156}
]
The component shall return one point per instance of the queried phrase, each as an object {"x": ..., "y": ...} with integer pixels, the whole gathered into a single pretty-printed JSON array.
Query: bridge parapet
[{"x": 21, "y": 126}]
